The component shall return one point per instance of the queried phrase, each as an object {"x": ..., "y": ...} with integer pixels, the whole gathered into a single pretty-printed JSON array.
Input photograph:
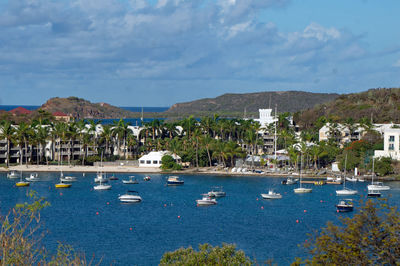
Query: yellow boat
[
  {"x": 63, "y": 185},
  {"x": 22, "y": 184}
]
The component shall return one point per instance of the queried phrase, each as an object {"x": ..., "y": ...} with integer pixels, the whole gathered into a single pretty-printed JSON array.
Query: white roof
[{"x": 157, "y": 155}]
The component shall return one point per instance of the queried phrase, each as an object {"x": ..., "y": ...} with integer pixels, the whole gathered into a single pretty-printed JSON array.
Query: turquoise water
[{"x": 96, "y": 223}]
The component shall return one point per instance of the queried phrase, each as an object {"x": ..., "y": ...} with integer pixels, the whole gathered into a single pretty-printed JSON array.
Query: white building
[
  {"x": 153, "y": 159},
  {"x": 391, "y": 144},
  {"x": 266, "y": 117}
]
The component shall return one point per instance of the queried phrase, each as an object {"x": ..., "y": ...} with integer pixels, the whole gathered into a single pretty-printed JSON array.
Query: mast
[{"x": 275, "y": 139}]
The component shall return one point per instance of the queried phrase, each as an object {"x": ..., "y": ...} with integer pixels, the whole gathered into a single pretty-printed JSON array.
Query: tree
[
  {"x": 7, "y": 132},
  {"x": 371, "y": 237},
  {"x": 207, "y": 255},
  {"x": 169, "y": 163}
]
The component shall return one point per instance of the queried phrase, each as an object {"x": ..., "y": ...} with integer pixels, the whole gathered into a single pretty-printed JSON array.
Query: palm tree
[
  {"x": 60, "y": 132},
  {"x": 42, "y": 134},
  {"x": 121, "y": 131},
  {"x": 232, "y": 150},
  {"x": 7, "y": 132},
  {"x": 106, "y": 136},
  {"x": 207, "y": 141},
  {"x": 21, "y": 137},
  {"x": 219, "y": 152},
  {"x": 171, "y": 129}
]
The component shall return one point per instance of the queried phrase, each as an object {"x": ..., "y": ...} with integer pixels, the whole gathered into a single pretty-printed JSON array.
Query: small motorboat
[
  {"x": 351, "y": 179},
  {"x": 130, "y": 197},
  {"x": 206, "y": 201},
  {"x": 216, "y": 192},
  {"x": 174, "y": 181},
  {"x": 361, "y": 179},
  {"x": 146, "y": 178},
  {"x": 13, "y": 175},
  {"x": 346, "y": 191},
  {"x": 62, "y": 185},
  {"x": 290, "y": 181},
  {"x": 271, "y": 195},
  {"x": 68, "y": 179},
  {"x": 113, "y": 177},
  {"x": 378, "y": 186},
  {"x": 345, "y": 205},
  {"x": 102, "y": 186},
  {"x": 374, "y": 193},
  {"x": 132, "y": 180},
  {"x": 33, "y": 177}
]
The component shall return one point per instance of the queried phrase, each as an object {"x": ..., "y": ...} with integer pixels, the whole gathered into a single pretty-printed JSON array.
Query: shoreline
[{"x": 152, "y": 170}]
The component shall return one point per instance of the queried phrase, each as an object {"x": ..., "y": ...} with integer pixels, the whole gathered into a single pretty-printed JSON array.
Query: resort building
[
  {"x": 266, "y": 117},
  {"x": 391, "y": 144},
  {"x": 153, "y": 159},
  {"x": 343, "y": 134},
  {"x": 60, "y": 116}
]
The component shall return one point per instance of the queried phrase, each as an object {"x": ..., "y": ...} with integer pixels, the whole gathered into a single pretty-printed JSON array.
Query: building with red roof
[
  {"x": 58, "y": 115},
  {"x": 20, "y": 111}
]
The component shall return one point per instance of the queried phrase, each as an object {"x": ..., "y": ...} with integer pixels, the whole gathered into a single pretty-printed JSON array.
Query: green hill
[{"x": 379, "y": 105}]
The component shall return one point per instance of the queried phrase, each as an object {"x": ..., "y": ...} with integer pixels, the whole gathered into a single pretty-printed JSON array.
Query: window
[
  {"x": 141, "y": 161},
  {"x": 159, "y": 162},
  {"x": 391, "y": 147},
  {"x": 391, "y": 138},
  {"x": 148, "y": 162},
  {"x": 154, "y": 162}
]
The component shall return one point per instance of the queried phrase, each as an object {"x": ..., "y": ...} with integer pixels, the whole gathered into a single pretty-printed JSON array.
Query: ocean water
[
  {"x": 96, "y": 223},
  {"x": 132, "y": 109}
]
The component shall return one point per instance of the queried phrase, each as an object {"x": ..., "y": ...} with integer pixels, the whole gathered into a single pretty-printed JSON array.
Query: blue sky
[{"x": 160, "y": 52}]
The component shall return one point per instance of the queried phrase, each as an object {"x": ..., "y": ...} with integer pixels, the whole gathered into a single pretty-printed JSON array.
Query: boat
[
  {"x": 102, "y": 186},
  {"x": 374, "y": 193},
  {"x": 22, "y": 183},
  {"x": 113, "y": 177},
  {"x": 361, "y": 179},
  {"x": 33, "y": 177},
  {"x": 301, "y": 189},
  {"x": 174, "y": 181},
  {"x": 319, "y": 183},
  {"x": 271, "y": 195},
  {"x": 146, "y": 178},
  {"x": 345, "y": 191},
  {"x": 345, "y": 205},
  {"x": 68, "y": 179},
  {"x": 376, "y": 185},
  {"x": 290, "y": 181},
  {"x": 13, "y": 175},
  {"x": 100, "y": 177},
  {"x": 130, "y": 197},
  {"x": 206, "y": 201},
  {"x": 216, "y": 192},
  {"x": 62, "y": 185},
  {"x": 351, "y": 179},
  {"x": 131, "y": 180}
]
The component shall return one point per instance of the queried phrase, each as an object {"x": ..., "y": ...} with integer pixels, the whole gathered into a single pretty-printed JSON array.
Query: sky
[{"x": 161, "y": 52}]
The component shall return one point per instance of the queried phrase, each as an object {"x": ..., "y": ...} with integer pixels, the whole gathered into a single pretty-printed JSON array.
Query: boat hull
[
  {"x": 346, "y": 192},
  {"x": 129, "y": 199},
  {"x": 102, "y": 187},
  {"x": 175, "y": 183},
  {"x": 302, "y": 190},
  {"x": 22, "y": 184},
  {"x": 378, "y": 187},
  {"x": 269, "y": 196},
  {"x": 62, "y": 185},
  {"x": 342, "y": 208},
  {"x": 206, "y": 202}
]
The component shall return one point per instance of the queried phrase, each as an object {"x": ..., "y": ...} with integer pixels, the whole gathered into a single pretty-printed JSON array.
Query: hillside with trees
[
  {"x": 380, "y": 105},
  {"x": 80, "y": 109},
  {"x": 234, "y": 105}
]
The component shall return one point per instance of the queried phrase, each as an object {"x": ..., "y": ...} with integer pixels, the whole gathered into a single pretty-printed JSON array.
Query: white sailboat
[
  {"x": 102, "y": 186},
  {"x": 376, "y": 186},
  {"x": 345, "y": 191},
  {"x": 302, "y": 189}
]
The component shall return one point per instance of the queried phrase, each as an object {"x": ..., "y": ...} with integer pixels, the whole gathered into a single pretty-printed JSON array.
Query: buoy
[
  {"x": 165, "y": 205},
  {"x": 297, "y": 221},
  {"x": 257, "y": 198},
  {"x": 130, "y": 228},
  {"x": 305, "y": 211},
  {"x": 179, "y": 216},
  {"x": 108, "y": 203},
  {"x": 337, "y": 211},
  {"x": 262, "y": 207},
  {"x": 97, "y": 213},
  {"x": 321, "y": 201},
  {"x": 60, "y": 193}
]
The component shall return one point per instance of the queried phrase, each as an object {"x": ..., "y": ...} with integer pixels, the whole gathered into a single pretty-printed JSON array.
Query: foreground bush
[{"x": 20, "y": 238}]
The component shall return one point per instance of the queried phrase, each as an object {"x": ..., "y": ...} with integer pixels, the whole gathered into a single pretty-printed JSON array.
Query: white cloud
[{"x": 315, "y": 30}]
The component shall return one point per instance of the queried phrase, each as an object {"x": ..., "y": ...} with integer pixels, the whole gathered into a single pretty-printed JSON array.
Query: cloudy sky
[{"x": 159, "y": 52}]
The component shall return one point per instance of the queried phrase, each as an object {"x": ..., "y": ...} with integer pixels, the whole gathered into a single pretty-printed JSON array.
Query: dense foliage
[
  {"x": 168, "y": 163},
  {"x": 371, "y": 237},
  {"x": 207, "y": 255}
]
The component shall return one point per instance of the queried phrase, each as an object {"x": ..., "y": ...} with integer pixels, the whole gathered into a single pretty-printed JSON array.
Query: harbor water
[{"x": 97, "y": 224}]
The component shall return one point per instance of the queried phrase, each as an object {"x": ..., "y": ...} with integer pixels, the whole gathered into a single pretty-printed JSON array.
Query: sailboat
[
  {"x": 102, "y": 186},
  {"x": 376, "y": 186},
  {"x": 302, "y": 189},
  {"x": 22, "y": 183},
  {"x": 345, "y": 191},
  {"x": 100, "y": 177}
]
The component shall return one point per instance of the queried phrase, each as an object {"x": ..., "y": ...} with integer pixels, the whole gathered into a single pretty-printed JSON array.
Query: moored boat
[
  {"x": 33, "y": 177},
  {"x": 13, "y": 175},
  {"x": 102, "y": 186},
  {"x": 130, "y": 197},
  {"x": 147, "y": 178},
  {"x": 345, "y": 205},
  {"x": 130, "y": 181},
  {"x": 206, "y": 201},
  {"x": 290, "y": 181},
  {"x": 62, "y": 185},
  {"x": 271, "y": 195},
  {"x": 374, "y": 193},
  {"x": 22, "y": 184},
  {"x": 68, "y": 179},
  {"x": 216, "y": 192},
  {"x": 174, "y": 181}
]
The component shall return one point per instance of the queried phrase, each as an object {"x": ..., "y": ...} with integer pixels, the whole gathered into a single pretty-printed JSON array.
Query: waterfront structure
[
  {"x": 153, "y": 159},
  {"x": 391, "y": 143}
]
